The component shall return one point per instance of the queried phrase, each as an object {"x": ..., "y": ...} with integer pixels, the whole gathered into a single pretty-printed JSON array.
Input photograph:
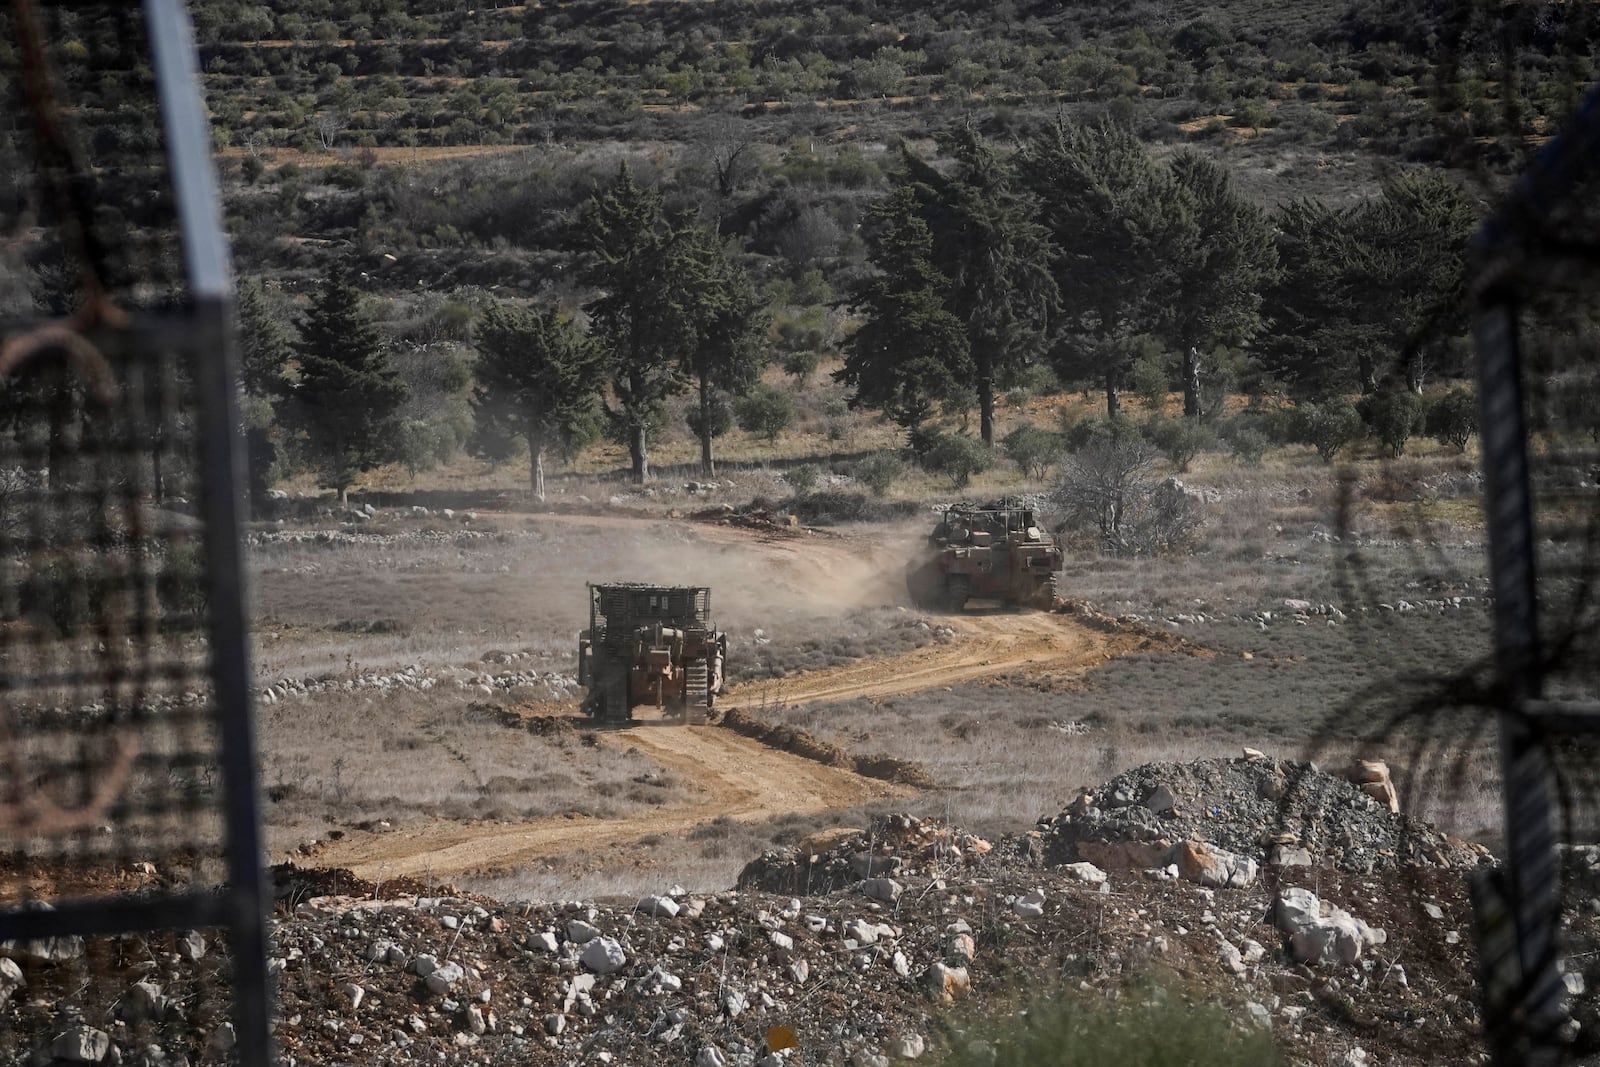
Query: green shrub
[
  {"x": 1070, "y": 1032},
  {"x": 1452, "y": 418},
  {"x": 767, "y": 410},
  {"x": 878, "y": 472},
  {"x": 1033, "y": 450},
  {"x": 1327, "y": 427},
  {"x": 958, "y": 457},
  {"x": 719, "y": 415},
  {"x": 1150, "y": 370},
  {"x": 1180, "y": 440},
  {"x": 922, "y": 440},
  {"x": 801, "y": 364},
  {"x": 803, "y": 479},
  {"x": 1080, "y": 432},
  {"x": 1247, "y": 442},
  {"x": 1392, "y": 415}
]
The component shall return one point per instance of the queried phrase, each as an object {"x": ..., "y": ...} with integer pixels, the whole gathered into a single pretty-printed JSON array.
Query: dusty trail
[
  {"x": 989, "y": 645},
  {"x": 737, "y": 777}
]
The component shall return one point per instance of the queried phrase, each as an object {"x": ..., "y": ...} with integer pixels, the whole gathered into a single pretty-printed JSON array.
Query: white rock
[
  {"x": 1085, "y": 872},
  {"x": 580, "y": 932},
  {"x": 603, "y": 956},
  {"x": 544, "y": 940},
  {"x": 883, "y": 890},
  {"x": 944, "y": 983},
  {"x": 354, "y": 994},
  {"x": 441, "y": 978},
  {"x": 223, "y": 1038},
  {"x": 734, "y": 1002},
  {"x": 555, "y": 1024},
  {"x": 710, "y": 1056},
  {"x": 800, "y": 970},
  {"x": 909, "y": 1047},
  {"x": 192, "y": 945},
  {"x": 11, "y": 979},
  {"x": 82, "y": 1044},
  {"x": 1232, "y": 958},
  {"x": 1160, "y": 799},
  {"x": 781, "y": 940},
  {"x": 1029, "y": 905},
  {"x": 1258, "y": 1015},
  {"x": 868, "y": 1058},
  {"x": 473, "y": 1018},
  {"x": 659, "y": 906},
  {"x": 578, "y": 990},
  {"x": 1434, "y": 911},
  {"x": 662, "y": 980},
  {"x": 1319, "y": 933},
  {"x": 861, "y": 932},
  {"x": 423, "y": 965}
]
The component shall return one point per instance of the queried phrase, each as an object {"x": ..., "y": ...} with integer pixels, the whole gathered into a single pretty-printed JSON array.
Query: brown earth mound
[{"x": 799, "y": 743}]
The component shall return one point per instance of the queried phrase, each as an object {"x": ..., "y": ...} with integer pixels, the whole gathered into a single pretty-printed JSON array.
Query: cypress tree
[{"x": 348, "y": 391}]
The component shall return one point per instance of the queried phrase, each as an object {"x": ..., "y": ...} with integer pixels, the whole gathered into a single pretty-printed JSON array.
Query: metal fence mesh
[{"x": 125, "y": 923}]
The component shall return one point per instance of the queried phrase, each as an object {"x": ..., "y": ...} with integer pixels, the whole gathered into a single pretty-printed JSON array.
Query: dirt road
[
  {"x": 986, "y": 646},
  {"x": 738, "y": 778}
]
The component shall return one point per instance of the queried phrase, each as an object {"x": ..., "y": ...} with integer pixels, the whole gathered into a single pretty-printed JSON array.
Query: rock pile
[
  {"x": 418, "y": 678},
  {"x": 895, "y": 846},
  {"x": 926, "y": 917},
  {"x": 1217, "y": 820}
]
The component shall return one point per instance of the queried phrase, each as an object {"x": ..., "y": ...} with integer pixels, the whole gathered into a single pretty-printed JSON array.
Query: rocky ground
[{"x": 858, "y": 947}]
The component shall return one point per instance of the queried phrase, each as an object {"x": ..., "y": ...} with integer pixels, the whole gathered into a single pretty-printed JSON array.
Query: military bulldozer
[
  {"x": 990, "y": 552},
  {"x": 650, "y": 645}
]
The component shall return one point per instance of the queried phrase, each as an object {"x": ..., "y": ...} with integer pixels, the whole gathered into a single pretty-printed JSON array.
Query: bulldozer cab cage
[
  {"x": 650, "y": 645},
  {"x": 616, "y": 611}
]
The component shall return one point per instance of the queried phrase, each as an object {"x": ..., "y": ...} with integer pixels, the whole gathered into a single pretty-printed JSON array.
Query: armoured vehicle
[
  {"x": 650, "y": 645},
  {"x": 992, "y": 551}
]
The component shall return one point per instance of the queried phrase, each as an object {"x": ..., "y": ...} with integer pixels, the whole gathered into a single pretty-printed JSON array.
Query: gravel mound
[
  {"x": 1257, "y": 807},
  {"x": 895, "y": 846}
]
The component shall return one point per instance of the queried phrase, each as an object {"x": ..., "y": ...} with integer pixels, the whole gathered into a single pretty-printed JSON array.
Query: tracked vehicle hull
[{"x": 990, "y": 552}]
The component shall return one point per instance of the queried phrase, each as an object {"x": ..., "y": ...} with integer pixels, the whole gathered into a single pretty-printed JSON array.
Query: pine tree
[
  {"x": 347, "y": 393},
  {"x": 1220, "y": 274},
  {"x": 538, "y": 378},
  {"x": 1313, "y": 344},
  {"x": 264, "y": 355},
  {"x": 731, "y": 319},
  {"x": 910, "y": 353},
  {"x": 629, "y": 250},
  {"x": 995, "y": 255},
  {"x": 1109, "y": 209},
  {"x": 672, "y": 309},
  {"x": 1365, "y": 286}
]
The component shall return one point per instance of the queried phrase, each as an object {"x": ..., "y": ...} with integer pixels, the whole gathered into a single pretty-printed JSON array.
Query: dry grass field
[{"x": 1394, "y": 546}]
